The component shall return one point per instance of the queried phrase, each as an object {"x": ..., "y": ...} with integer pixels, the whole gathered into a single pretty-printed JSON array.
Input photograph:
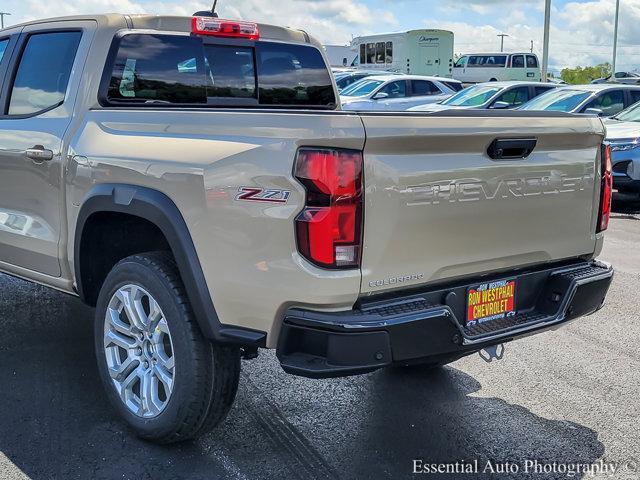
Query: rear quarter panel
[{"x": 199, "y": 159}]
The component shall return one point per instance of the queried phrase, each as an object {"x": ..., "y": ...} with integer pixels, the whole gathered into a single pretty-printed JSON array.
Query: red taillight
[
  {"x": 329, "y": 229},
  {"x": 606, "y": 190},
  {"x": 224, "y": 28}
]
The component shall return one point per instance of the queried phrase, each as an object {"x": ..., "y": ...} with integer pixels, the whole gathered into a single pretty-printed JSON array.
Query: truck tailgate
[{"x": 438, "y": 207}]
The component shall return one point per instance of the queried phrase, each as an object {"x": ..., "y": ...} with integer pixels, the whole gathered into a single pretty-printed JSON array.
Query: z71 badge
[{"x": 254, "y": 194}]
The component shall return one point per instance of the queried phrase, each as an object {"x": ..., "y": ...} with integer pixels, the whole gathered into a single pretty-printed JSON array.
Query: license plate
[{"x": 491, "y": 301}]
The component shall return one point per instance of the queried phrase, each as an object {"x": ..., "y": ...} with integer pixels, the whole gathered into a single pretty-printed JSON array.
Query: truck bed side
[{"x": 200, "y": 159}]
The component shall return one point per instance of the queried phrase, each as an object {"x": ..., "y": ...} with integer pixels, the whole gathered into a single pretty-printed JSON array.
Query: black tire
[{"x": 206, "y": 374}]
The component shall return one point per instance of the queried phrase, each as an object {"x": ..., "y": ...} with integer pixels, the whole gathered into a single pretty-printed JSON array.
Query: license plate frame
[{"x": 498, "y": 303}]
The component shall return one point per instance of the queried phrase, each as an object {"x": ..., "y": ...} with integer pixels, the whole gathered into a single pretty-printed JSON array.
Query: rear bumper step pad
[{"x": 429, "y": 325}]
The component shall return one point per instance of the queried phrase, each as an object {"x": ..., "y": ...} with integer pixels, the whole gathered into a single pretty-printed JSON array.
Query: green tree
[{"x": 581, "y": 75}]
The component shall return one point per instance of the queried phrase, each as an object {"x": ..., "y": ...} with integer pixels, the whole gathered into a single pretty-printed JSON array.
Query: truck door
[{"x": 37, "y": 106}]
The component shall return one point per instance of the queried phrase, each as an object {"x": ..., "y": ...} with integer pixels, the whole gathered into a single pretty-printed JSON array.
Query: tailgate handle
[{"x": 511, "y": 148}]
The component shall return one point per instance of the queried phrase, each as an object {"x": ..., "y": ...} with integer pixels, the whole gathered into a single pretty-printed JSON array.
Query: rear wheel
[{"x": 162, "y": 376}]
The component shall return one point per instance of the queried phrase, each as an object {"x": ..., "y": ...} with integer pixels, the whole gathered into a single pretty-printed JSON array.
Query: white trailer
[
  {"x": 416, "y": 52},
  {"x": 341, "y": 55}
]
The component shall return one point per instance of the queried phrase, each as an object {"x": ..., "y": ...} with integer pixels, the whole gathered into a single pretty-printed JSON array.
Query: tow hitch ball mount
[{"x": 496, "y": 352}]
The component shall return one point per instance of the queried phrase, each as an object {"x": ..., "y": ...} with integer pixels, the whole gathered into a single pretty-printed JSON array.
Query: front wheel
[{"x": 163, "y": 377}]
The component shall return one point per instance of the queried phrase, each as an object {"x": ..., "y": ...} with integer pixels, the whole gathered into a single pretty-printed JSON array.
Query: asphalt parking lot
[{"x": 569, "y": 396}]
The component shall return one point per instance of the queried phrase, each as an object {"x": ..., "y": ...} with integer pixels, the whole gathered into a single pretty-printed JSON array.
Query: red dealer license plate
[{"x": 491, "y": 301}]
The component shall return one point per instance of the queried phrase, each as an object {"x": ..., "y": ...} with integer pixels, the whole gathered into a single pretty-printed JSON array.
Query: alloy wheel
[{"x": 139, "y": 351}]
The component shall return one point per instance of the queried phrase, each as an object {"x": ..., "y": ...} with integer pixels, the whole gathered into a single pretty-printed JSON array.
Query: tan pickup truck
[{"x": 195, "y": 180}]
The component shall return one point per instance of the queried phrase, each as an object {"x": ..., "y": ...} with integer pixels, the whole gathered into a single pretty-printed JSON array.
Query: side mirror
[
  {"x": 380, "y": 95},
  {"x": 501, "y": 105},
  {"x": 594, "y": 111}
]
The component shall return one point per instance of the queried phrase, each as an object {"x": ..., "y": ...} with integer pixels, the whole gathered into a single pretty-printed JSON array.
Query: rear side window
[
  {"x": 517, "y": 61},
  {"x": 610, "y": 102},
  {"x": 174, "y": 69},
  {"x": 497, "y": 61},
  {"x": 515, "y": 96},
  {"x": 635, "y": 95},
  {"x": 541, "y": 90},
  {"x": 455, "y": 86},
  {"x": 422, "y": 88},
  {"x": 488, "y": 61},
  {"x": 532, "y": 61},
  {"x": 43, "y": 73},
  {"x": 159, "y": 69}
]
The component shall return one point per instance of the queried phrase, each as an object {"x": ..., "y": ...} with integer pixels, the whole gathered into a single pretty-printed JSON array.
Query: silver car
[
  {"x": 630, "y": 78},
  {"x": 396, "y": 92},
  {"x": 604, "y": 100},
  {"x": 623, "y": 134},
  {"x": 490, "y": 95},
  {"x": 346, "y": 79}
]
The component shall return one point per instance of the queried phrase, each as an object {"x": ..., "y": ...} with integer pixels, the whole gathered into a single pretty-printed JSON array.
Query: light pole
[
  {"x": 545, "y": 46},
  {"x": 502, "y": 35},
  {"x": 615, "y": 40},
  {"x": 2, "y": 14}
]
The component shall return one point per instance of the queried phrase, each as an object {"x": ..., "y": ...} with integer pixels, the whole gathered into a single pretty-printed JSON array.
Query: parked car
[
  {"x": 623, "y": 135},
  {"x": 396, "y": 92},
  {"x": 207, "y": 196},
  {"x": 342, "y": 70},
  {"x": 556, "y": 80},
  {"x": 344, "y": 79},
  {"x": 490, "y": 95},
  {"x": 630, "y": 78},
  {"x": 602, "y": 99},
  {"x": 495, "y": 67}
]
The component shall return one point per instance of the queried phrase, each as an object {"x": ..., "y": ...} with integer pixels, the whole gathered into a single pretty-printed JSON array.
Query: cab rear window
[{"x": 182, "y": 70}]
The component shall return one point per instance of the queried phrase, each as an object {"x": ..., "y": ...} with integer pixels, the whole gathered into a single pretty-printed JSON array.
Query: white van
[
  {"x": 492, "y": 67},
  {"x": 415, "y": 52}
]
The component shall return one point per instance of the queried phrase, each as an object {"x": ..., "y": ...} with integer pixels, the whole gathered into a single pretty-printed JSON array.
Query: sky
[{"x": 581, "y": 30}]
